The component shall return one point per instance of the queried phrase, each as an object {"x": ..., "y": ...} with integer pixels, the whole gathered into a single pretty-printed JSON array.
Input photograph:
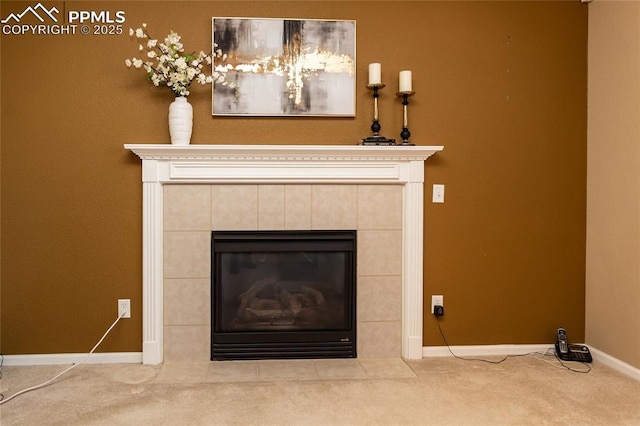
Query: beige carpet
[{"x": 442, "y": 391}]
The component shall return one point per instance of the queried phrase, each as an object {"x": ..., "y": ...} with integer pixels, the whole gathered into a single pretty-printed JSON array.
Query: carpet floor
[{"x": 529, "y": 390}]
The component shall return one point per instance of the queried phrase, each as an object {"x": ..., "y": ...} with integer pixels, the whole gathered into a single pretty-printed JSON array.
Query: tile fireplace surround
[{"x": 188, "y": 191}]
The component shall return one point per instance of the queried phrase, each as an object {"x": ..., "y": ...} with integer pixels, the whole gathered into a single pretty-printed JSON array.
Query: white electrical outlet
[
  {"x": 124, "y": 308},
  {"x": 437, "y": 300}
]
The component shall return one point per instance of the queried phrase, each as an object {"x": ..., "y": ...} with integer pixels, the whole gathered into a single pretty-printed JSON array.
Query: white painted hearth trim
[{"x": 294, "y": 164}]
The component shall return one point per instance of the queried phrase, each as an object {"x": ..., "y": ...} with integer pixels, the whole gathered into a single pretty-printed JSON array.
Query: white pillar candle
[
  {"x": 405, "y": 81},
  {"x": 375, "y": 74}
]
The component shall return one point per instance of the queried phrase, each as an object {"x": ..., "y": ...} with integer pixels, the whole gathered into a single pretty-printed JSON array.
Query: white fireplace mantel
[{"x": 261, "y": 164}]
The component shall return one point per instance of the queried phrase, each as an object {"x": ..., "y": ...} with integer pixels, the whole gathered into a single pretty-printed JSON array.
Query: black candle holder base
[
  {"x": 405, "y": 135},
  {"x": 377, "y": 140}
]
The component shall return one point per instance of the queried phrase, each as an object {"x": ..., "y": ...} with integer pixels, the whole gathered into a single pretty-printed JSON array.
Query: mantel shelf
[{"x": 283, "y": 152}]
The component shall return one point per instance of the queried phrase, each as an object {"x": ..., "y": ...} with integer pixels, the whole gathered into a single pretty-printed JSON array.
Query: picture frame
[{"x": 283, "y": 67}]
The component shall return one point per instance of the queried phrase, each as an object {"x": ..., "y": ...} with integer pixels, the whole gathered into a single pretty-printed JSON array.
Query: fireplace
[
  {"x": 266, "y": 187},
  {"x": 283, "y": 294}
]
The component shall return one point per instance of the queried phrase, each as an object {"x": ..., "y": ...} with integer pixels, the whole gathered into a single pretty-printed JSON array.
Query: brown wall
[{"x": 502, "y": 85}]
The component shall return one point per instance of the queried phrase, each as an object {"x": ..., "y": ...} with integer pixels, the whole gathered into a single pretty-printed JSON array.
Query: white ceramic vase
[{"x": 180, "y": 121}]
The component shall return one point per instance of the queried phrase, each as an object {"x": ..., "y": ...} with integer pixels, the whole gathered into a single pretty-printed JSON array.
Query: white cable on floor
[{"x": 48, "y": 382}]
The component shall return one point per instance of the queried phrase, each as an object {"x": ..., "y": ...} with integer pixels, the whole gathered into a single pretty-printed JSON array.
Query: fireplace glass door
[{"x": 283, "y": 294}]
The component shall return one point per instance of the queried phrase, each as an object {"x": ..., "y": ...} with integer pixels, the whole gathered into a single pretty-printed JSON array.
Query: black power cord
[{"x": 444, "y": 339}]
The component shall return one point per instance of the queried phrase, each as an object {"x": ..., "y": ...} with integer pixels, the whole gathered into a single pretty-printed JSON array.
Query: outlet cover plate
[
  {"x": 437, "y": 300},
  {"x": 438, "y": 193},
  {"x": 124, "y": 308}
]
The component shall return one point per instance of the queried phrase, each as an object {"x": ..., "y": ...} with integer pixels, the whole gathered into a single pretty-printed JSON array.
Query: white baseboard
[
  {"x": 615, "y": 363},
  {"x": 487, "y": 350},
  {"x": 483, "y": 350},
  {"x": 427, "y": 352},
  {"x": 95, "y": 358}
]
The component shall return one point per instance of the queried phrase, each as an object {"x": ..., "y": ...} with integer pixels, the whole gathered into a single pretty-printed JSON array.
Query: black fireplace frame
[{"x": 337, "y": 343}]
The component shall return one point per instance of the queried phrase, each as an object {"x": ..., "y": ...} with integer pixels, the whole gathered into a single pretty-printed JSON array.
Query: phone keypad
[{"x": 580, "y": 353}]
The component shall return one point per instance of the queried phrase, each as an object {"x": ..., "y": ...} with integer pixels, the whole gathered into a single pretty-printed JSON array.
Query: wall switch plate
[
  {"x": 438, "y": 193},
  {"x": 124, "y": 308},
  {"x": 437, "y": 300}
]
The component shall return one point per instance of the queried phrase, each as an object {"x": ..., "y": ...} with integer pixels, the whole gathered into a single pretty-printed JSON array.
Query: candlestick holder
[
  {"x": 405, "y": 134},
  {"x": 376, "y": 139}
]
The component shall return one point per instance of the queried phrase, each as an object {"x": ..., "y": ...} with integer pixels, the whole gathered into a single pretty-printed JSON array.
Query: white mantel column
[
  {"x": 412, "y": 263},
  {"x": 152, "y": 264}
]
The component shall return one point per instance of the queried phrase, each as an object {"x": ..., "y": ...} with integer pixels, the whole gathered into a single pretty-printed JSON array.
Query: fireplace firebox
[{"x": 283, "y": 294}]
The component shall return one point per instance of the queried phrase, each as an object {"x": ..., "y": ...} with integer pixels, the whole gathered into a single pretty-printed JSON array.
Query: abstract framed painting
[{"x": 284, "y": 67}]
